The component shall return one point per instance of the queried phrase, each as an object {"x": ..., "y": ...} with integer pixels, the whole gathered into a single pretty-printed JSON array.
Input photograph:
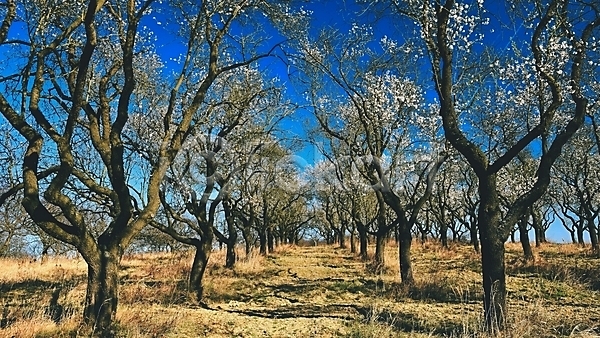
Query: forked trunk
[{"x": 101, "y": 294}]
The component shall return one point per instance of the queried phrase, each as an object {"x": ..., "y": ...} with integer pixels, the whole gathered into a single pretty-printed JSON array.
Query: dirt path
[{"x": 307, "y": 292}]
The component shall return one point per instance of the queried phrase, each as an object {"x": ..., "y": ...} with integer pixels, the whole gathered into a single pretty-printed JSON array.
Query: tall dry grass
[
  {"x": 18, "y": 270},
  {"x": 445, "y": 300}
]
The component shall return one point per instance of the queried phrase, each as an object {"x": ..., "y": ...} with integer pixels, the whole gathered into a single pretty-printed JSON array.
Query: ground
[{"x": 318, "y": 291}]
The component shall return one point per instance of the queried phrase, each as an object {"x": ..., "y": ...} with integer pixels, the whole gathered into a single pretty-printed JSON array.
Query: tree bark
[
  {"x": 379, "y": 258},
  {"x": 580, "y": 229},
  {"x": 593, "y": 235},
  {"x": 247, "y": 242},
  {"x": 538, "y": 227},
  {"x": 444, "y": 234},
  {"x": 405, "y": 242},
  {"x": 343, "y": 236},
  {"x": 203, "y": 249},
  {"x": 474, "y": 237},
  {"x": 524, "y": 238},
  {"x": 232, "y": 238},
  {"x": 364, "y": 244},
  {"x": 352, "y": 241},
  {"x": 101, "y": 295},
  {"x": 231, "y": 256},
  {"x": 270, "y": 240},
  {"x": 492, "y": 254},
  {"x": 262, "y": 240}
]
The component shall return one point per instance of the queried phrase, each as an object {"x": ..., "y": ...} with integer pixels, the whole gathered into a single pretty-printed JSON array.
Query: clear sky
[{"x": 337, "y": 14}]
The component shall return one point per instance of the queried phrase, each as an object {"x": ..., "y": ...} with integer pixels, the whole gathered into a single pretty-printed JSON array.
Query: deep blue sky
[{"x": 336, "y": 14}]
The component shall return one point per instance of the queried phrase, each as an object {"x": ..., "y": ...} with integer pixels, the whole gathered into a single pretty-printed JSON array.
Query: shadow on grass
[
  {"x": 31, "y": 286},
  {"x": 26, "y": 300},
  {"x": 586, "y": 275},
  {"x": 397, "y": 320},
  {"x": 407, "y": 322},
  {"x": 337, "y": 311}
]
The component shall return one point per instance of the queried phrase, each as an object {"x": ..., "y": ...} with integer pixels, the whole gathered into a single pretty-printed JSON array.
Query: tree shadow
[
  {"x": 587, "y": 275},
  {"x": 26, "y": 299},
  {"x": 336, "y": 311},
  {"x": 408, "y": 322}
]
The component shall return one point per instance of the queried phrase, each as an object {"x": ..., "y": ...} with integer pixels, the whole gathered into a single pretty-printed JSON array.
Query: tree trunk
[
  {"x": 444, "y": 234},
  {"x": 492, "y": 255},
  {"x": 524, "y": 238},
  {"x": 343, "y": 236},
  {"x": 270, "y": 240},
  {"x": 543, "y": 236},
  {"x": 580, "y": 234},
  {"x": 247, "y": 242},
  {"x": 406, "y": 273},
  {"x": 262, "y": 240},
  {"x": 364, "y": 245},
  {"x": 537, "y": 227},
  {"x": 231, "y": 256},
  {"x": 593, "y": 235},
  {"x": 101, "y": 294},
  {"x": 380, "y": 250},
  {"x": 203, "y": 250},
  {"x": 474, "y": 237},
  {"x": 352, "y": 241}
]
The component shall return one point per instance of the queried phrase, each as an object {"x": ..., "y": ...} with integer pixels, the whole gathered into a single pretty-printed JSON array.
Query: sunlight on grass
[{"x": 319, "y": 291}]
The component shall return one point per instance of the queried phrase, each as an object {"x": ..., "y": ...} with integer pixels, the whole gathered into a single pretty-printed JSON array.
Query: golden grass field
[{"x": 320, "y": 291}]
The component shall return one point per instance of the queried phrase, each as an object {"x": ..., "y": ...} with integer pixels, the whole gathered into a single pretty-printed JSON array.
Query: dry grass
[
  {"x": 53, "y": 268},
  {"x": 313, "y": 292}
]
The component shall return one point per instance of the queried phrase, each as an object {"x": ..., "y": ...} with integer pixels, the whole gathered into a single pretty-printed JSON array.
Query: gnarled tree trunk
[{"x": 102, "y": 290}]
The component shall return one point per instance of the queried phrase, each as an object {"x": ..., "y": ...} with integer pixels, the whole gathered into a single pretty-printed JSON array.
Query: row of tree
[{"x": 125, "y": 119}]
